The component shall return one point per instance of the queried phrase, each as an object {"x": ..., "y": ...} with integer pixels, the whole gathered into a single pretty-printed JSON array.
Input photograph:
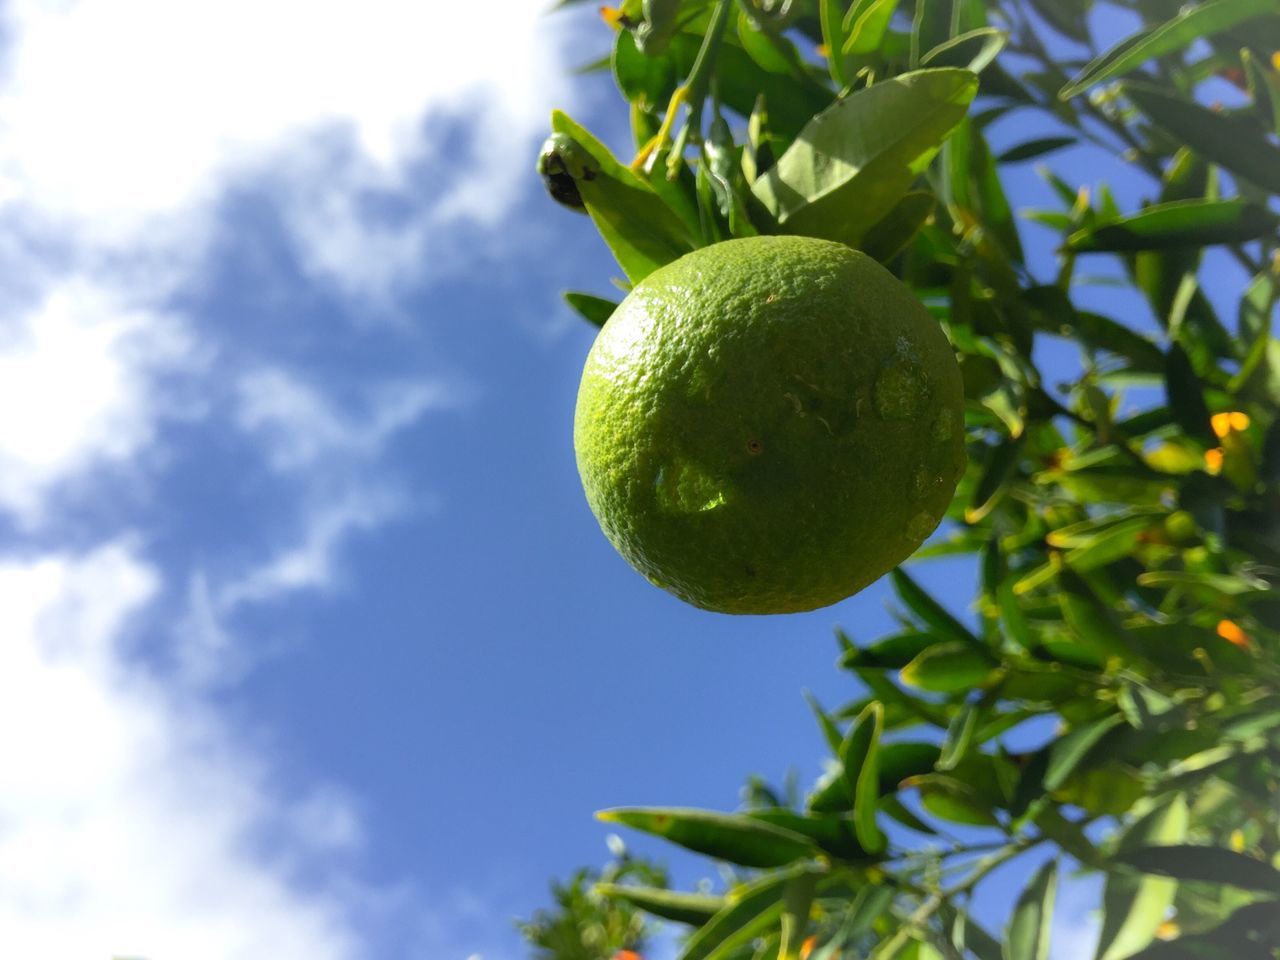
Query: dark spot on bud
[{"x": 754, "y": 446}]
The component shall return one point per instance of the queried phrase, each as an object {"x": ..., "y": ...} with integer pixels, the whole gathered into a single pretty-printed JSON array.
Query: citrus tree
[{"x": 1129, "y": 561}]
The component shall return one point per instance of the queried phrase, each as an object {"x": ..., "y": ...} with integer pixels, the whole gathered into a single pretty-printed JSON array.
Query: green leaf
[
  {"x": 642, "y": 231},
  {"x": 867, "y": 20},
  {"x": 1068, "y": 752},
  {"x": 1205, "y": 864},
  {"x": 959, "y": 736},
  {"x": 647, "y": 81},
  {"x": 951, "y": 799},
  {"x": 1094, "y": 624},
  {"x": 1035, "y": 148},
  {"x": 891, "y": 653},
  {"x": 1193, "y": 24},
  {"x": 1182, "y": 223},
  {"x": 999, "y": 464},
  {"x": 1259, "y": 372},
  {"x": 932, "y": 614},
  {"x": 974, "y": 189},
  {"x": 887, "y": 238},
  {"x": 591, "y": 308},
  {"x": 1264, "y": 87},
  {"x": 1133, "y": 908},
  {"x": 1107, "y": 546},
  {"x": 830, "y": 731},
  {"x": 854, "y": 161},
  {"x": 835, "y": 835},
  {"x": 694, "y": 909},
  {"x": 749, "y": 910},
  {"x": 725, "y": 836},
  {"x": 1227, "y": 140},
  {"x": 859, "y": 755},
  {"x": 832, "y": 24},
  {"x": 1029, "y": 932},
  {"x": 1186, "y": 397},
  {"x": 949, "y": 667},
  {"x": 973, "y": 50}
]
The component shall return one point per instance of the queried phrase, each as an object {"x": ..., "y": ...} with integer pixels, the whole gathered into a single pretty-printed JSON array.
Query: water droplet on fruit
[
  {"x": 920, "y": 481},
  {"x": 920, "y": 527}
]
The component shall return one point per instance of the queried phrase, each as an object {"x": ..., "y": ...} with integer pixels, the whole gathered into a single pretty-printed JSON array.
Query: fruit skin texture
[{"x": 767, "y": 425}]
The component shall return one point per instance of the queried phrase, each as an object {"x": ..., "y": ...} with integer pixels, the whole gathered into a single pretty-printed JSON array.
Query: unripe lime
[{"x": 768, "y": 425}]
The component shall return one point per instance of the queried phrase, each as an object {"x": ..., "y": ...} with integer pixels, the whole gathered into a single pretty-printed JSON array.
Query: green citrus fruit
[{"x": 767, "y": 425}]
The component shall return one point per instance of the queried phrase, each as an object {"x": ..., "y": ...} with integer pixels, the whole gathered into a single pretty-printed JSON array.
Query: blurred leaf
[
  {"x": 834, "y": 835},
  {"x": 833, "y": 38},
  {"x": 1227, "y": 140},
  {"x": 903, "y": 759},
  {"x": 1186, "y": 398},
  {"x": 1094, "y": 624},
  {"x": 1035, "y": 148},
  {"x": 647, "y": 80},
  {"x": 866, "y": 23},
  {"x": 694, "y": 909},
  {"x": 639, "y": 228},
  {"x": 1260, "y": 369},
  {"x": 1068, "y": 752},
  {"x": 949, "y": 667},
  {"x": 891, "y": 653},
  {"x": 1192, "y": 24},
  {"x": 1205, "y": 864},
  {"x": 973, "y": 50},
  {"x": 749, "y": 909},
  {"x": 1264, "y": 87},
  {"x": 959, "y": 736},
  {"x": 591, "y": 308},
  {"x": 859, "y": 755},
  {"x": 1029, "y": 932},
  {"x": 1182, "y": 223},
  {"x": 951, "y": 799},
  {"x": 854, "y": 161},
  {"x": 999, "y": 464},
  {"x": 1133, "y": 908},
  {"x": 975, "y": 192},
  {"x": 887, "y": 238},
  {"x": 1107, "y": 546},
  {"x": 725, "y": 836},
  {"x": 830, "y": 732},
  {"x": 931, "y": 613}
]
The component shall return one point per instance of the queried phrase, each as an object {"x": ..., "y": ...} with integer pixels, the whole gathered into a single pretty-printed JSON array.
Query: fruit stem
[{"x": 697, "y": 84}]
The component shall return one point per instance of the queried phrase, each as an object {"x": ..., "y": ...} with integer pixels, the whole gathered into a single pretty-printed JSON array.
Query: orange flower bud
[{"x": 1233, "y": 634}]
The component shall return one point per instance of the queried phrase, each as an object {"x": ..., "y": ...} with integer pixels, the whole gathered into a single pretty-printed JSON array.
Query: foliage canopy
[{"x": 1128, "y": 561}]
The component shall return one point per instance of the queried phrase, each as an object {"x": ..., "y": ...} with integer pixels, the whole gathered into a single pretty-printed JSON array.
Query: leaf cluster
[{"x": 1125, "y": 524}]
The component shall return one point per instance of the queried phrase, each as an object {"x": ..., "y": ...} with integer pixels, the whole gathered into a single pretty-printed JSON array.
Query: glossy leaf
[
  {"x": 1182, "y": 223},
  {"x": 725, "y": 836},
  {"x": 749, "y": 909},
  {"x": 834, "y": 835},
  {"x": 854, "y": 161},
  {"x": 591, "y": 308},
  {"x": 1205, "y": 864},
  {"x": 973, "y": 50},
  {"x": 1068, "y": 752},
  {"x": 867, "y": 22},
  {"x": 1193, "y": 24},
  {"x": 1000, "y": 462},
  {"x": 1133, "y": 907},
  {"x": 950, "y": 798},
  {"x": 931, "y": 613},
  {"x": 959, "y": 736},
  {"x": 641, "y": 230},
  {"x": 694, "y": 909},
  {"x": 1227, "y": 140},
  {"x": 859, "y": 755},
  {"x": 1032, "y": 149},
  {"x": 949, "y": 667},
  {"x": 1029, "y": 932}
]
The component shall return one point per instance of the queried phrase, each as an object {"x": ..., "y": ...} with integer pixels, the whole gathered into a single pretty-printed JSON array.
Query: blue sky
[{"x": 311, "y": 647}]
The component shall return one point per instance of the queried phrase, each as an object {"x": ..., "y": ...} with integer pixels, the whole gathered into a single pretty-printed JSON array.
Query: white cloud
[
  {"x": 299, "y": 425},
  {"x": 79, "y": 388},
  {"x": 170, "y": 103},
  {"x": 130, "y": 823}
]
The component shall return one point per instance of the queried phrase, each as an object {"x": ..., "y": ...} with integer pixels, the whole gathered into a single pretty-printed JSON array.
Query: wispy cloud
[{"x": 134, "y": 817}]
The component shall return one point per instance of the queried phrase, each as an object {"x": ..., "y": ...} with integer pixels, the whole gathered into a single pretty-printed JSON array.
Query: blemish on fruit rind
[
  {"x": 920, "y": 527},
  {"x": 942, "y": 425}
]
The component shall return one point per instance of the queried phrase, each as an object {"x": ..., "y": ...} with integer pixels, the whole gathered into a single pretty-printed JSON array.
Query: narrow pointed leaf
[
  {"x": 1174, "y": 35},
  {"x": 1029, "y": 933},
  {"x": 854, "y": 161},
  {"x": 949, "y": 667},
  {"x": 1205, "y": 864},
  {"x": 1034, "y": 148},
  {"x": 591, "y": 308},
  {"x": 736, "y": 838},
  {"x": 1070, "y": 751},
  {"x": 749, "y": 910},
  {"x": 860, "y": 756},
  {"x": 1224, "y": 139},
  {"x": 1134, "y": 907},
  {"x": 973, "y": 50},
  {"x": 959, "y": 736},
  {"x": 694, "y": 909},
  {"x": 887, "y": 238},
  {"x": 931, "y": 613},
  {"x": 1181, "y": 223}
]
